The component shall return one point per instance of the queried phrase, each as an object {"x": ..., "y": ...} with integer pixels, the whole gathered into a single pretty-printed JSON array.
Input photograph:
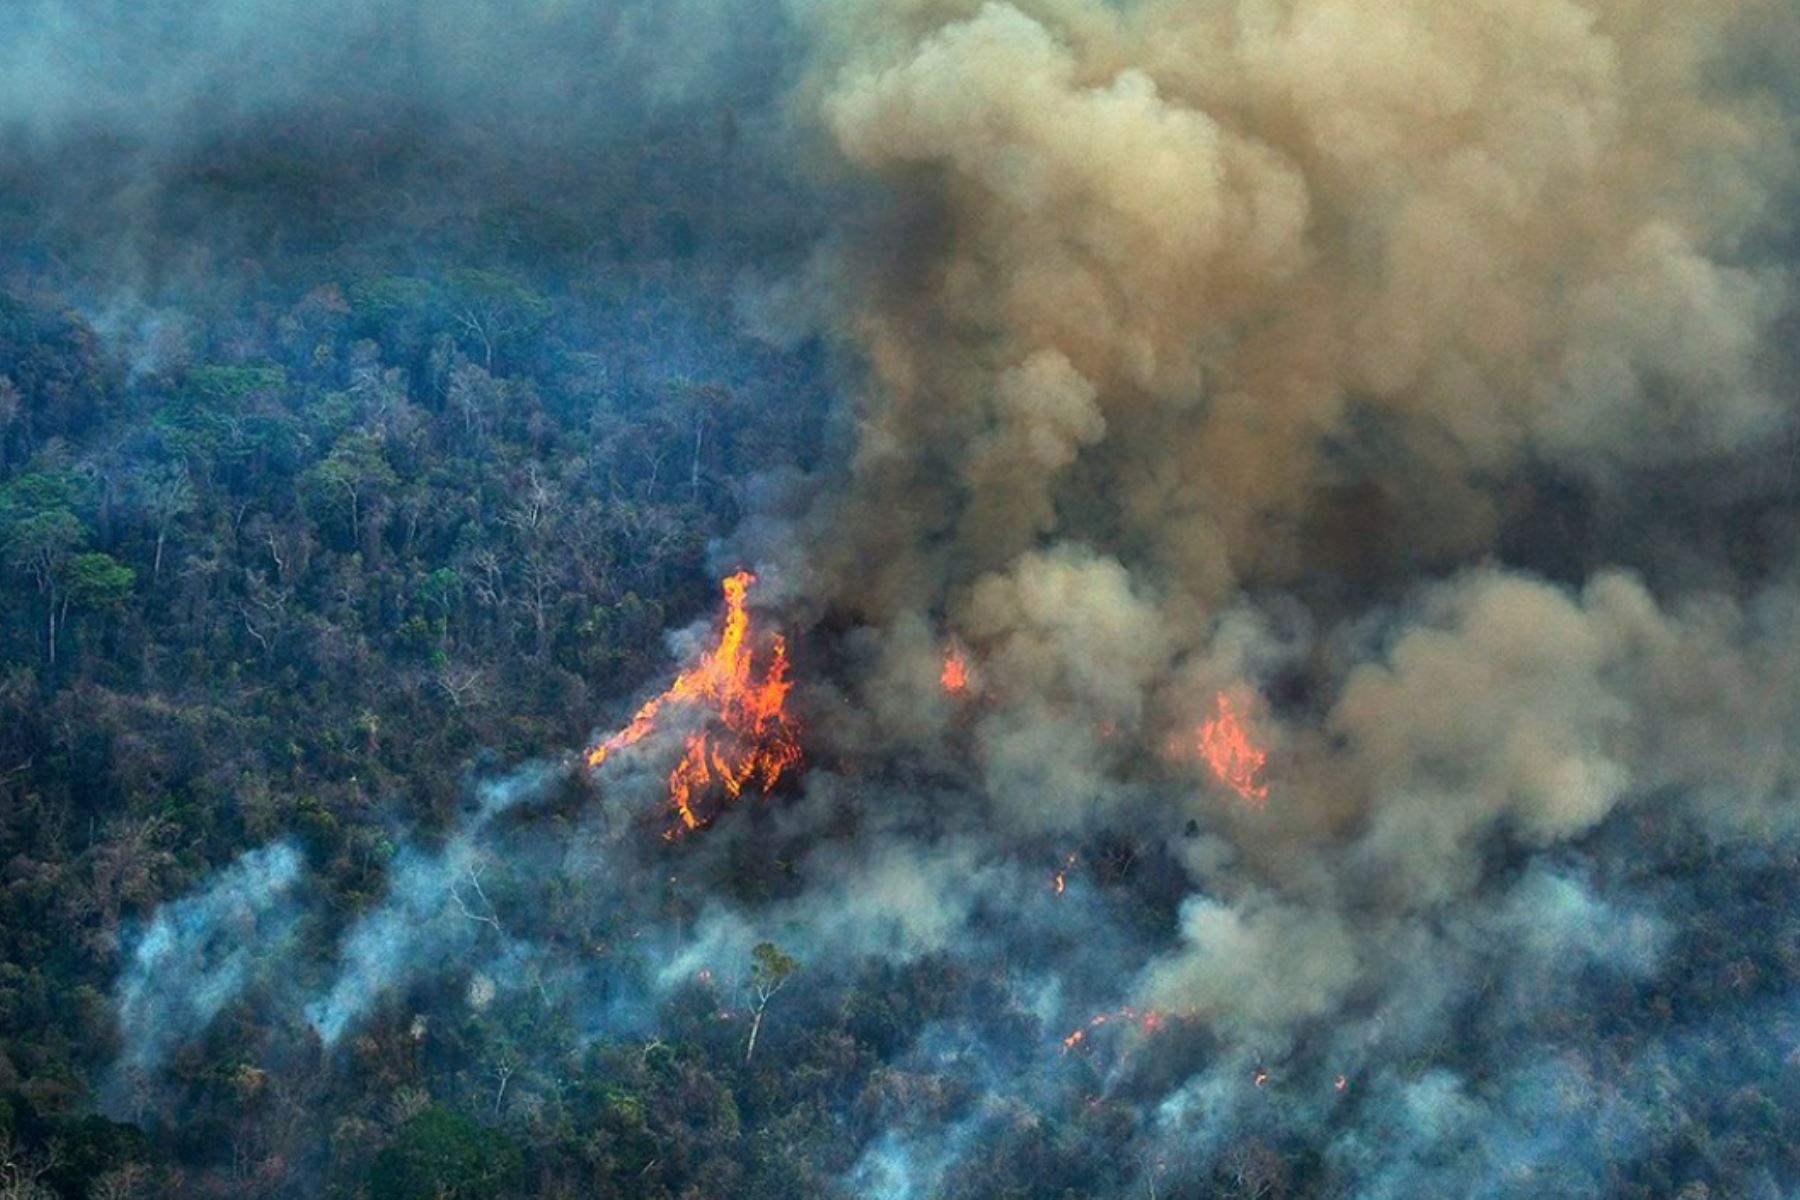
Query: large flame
[
  {"x": 1233, "y": 757},
  {"x": 747, "y": 735}
]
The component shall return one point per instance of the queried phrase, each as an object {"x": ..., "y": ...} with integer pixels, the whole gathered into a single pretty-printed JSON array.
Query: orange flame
[
  {"x": 1234, "y": 759},
  {"x": 1061, "y": 879},
  {"x": 758, "y": 741},
  {"x": 955, "y": 675},
  {"x": 1148, "y": 1021}
]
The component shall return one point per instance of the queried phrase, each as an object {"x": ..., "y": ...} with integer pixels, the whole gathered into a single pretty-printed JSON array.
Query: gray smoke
[{"x": 435, "y": 908}]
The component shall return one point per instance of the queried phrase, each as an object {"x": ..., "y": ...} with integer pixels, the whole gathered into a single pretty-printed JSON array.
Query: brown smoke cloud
[
  {"x": 1168, "y": 307},
  {"x": 1161, "y": 261}
]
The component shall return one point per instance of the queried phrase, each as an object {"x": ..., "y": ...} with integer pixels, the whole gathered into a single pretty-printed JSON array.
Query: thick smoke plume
[{"x": 1214, "y": 348}]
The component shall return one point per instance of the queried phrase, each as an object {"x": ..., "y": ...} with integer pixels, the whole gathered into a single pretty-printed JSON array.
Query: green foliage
[
  {"x": 42, "y": 543},
  {"x": 165, "y": 491},
  {"x": 357, "y": 462},
  {"x": 770, "y": 966},
  {"x": 389, "y": 299},
  {"x": 98, "y": 581},
  {"x": 473, "y": 285},
  {"x": 53, "y": 364},
  {"x": 398, "y": 311},
  {"x": 75, "y": 1151},
  {"x": 355, "y": 472},
  {"x": 221, "y": 387},
  {"x": 37, "y": 492},
  {"x": 441, "y": 590},
  {"x": 440, "y": 1155}
]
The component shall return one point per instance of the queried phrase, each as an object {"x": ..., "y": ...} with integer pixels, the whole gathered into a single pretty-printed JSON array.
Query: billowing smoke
[
  {"x": 1212, "y": 348},
  {"x": 1203, "y": 287},
  {"x": 1326, "y": 354}
]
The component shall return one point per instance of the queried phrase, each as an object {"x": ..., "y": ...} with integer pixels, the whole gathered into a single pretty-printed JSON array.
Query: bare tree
[
  {"x": 1153, "y": 1167},
  {"x": 165, "y": 493},
  {"x": 128, "y": 1182},
  {"x": 476, "y": 395},
  {"x": 491, "y": 308},
  {"x": 124, "y": 867},
  {"x": 536, "y": 503},
  {"x": 502, "y": 1070},
  {"x": 460, "y": 684},
  {"x": 542, "y": 577},
  {"x": 484, "y": 913},
  {"x": 489, "y": 578},
  {"x": 264, "y": 611},
  {"x": 22, "y": 1171},
  {"x": 1254, "y": 1170}
]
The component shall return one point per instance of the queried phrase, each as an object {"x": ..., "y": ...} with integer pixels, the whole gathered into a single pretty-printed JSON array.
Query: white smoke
[{"x": 203, "y": 952}]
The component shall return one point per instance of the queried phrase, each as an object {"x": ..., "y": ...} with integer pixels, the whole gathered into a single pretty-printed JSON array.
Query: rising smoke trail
[{"x": 201, "y": 953}]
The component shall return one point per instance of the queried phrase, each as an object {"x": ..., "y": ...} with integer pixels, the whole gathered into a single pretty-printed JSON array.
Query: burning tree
[{"x": 745, "y": 735}]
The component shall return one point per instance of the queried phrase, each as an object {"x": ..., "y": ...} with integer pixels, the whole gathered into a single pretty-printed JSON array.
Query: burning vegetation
[
  {"x": 1233, "y": 758},
  {"x": 954, "y": 678},
  {"x": 1145, "y": 1021},
  {"x": 744, "y": 734}
]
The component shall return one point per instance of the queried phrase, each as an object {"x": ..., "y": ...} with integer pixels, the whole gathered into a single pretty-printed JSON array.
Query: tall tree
[
  {"x": 770, "y": 970},
  {"x": 492, "y": 308},
  {"x": 165, "y": 493},
  {"x": 40, "y": 546},
  {"x": 355, "y": 468}
]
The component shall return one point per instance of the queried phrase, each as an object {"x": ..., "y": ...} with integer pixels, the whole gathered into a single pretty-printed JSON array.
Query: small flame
[
  {"x": 1148, "y": 1021},
  {"x": 955, "y": 675},
  {"x": 759, "y": 741},
  {"x": 1061, "y": 879},
  {"x": 1342, "y": 1083},
  {"x": 1260, "y": 1078},
  {"x": 1234, "y": 758}
]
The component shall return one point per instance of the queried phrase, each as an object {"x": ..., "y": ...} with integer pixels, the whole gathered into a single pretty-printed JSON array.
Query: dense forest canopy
[{"x": 973, "y": 598}]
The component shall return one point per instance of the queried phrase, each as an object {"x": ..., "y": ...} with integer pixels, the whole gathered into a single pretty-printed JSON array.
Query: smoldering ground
[{"x": 1418, "y": 373}]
